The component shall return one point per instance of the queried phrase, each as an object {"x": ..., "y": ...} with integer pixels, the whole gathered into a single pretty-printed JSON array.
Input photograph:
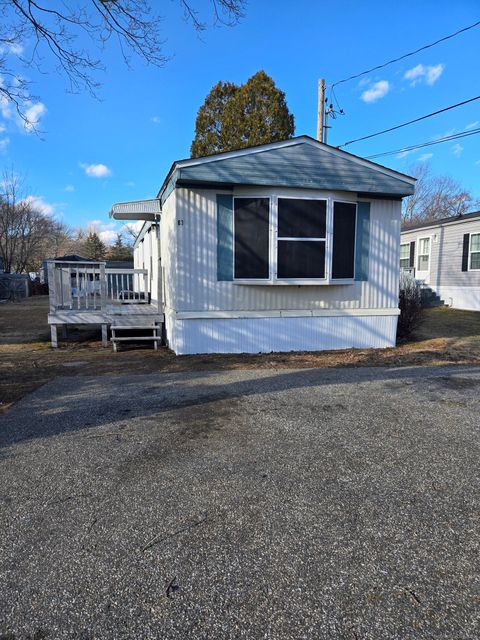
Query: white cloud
[
  {"x": 424, "y": 73},
  {"x": 96, "y": 170},
  {"x": 3, "y": 128},
  {"x": 39, "y": 203},
  {"x": 156, "y": 120},
  {"x": 472, "y": 125},
  {"x": 129, "y": 183},
  {"x": 404, "y": 154},
  {"x": 425, "y": 156},
  {"x": 457, "y": 150},
  {"x": 12, "y": 47},
  {"x": 33, "y": 115},
  {"x": 4, "y": 144},
  {"x": 376, "y": 91},
  {"x": 107, "y": 232},
  {"x": 69, "y": 188}
]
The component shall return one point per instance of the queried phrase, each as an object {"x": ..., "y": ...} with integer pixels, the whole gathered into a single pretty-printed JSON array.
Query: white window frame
[
  {"x": 273, "y": 250},
  {"x": 405, "y": 244},
  {"x": 417, "y": 247},
  {"x": 470, "y": 252}
]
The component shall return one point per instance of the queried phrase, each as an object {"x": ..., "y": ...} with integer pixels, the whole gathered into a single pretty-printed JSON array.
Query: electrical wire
[
  {"x": 421, "y": 145},
  {"x": 407, "y": 55},
  {"x": 404, "y": 124}
]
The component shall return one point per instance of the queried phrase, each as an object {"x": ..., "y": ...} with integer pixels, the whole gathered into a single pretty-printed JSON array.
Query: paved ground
[{"x": 243, "y": 504}]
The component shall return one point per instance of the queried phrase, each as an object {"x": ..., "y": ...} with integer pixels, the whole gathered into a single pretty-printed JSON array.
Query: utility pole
[{"x": 320, "y": 111}]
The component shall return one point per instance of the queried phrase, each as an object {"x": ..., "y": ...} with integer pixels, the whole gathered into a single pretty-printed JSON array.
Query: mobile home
[{"x": 445, "y": 255}]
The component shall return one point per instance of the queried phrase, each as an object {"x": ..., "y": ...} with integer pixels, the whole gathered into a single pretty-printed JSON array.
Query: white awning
[{"x": 136, "y": 210}]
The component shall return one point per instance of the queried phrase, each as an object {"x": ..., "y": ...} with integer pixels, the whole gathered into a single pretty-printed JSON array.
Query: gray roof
[
  {"x": 433, "y": 223},
  {"x": 300, "y": 162}
]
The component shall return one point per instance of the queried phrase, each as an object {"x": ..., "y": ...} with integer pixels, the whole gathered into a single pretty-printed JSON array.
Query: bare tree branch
[{"x": 57, "y": 30}]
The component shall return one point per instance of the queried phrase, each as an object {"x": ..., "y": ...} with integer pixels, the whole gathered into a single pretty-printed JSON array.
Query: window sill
[{"x": 295, "y": 282}]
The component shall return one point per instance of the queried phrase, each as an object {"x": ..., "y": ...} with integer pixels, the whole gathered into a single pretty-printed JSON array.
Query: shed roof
[
  {"x": 299, "y": 162},
  {"x": 466, "y": 217}
]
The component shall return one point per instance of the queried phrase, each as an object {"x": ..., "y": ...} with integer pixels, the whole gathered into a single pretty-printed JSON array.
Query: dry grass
[{"x": 27, "y": 361}]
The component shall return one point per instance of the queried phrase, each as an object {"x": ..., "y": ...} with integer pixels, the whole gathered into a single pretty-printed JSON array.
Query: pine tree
[
  {"x": 94, "y": 247},
  {"x": 237, "y": 117},
  {"x": 119, "y": 250}
]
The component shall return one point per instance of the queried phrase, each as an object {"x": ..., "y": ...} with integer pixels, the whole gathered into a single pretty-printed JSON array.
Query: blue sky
[{"x": 95, "y": 152}]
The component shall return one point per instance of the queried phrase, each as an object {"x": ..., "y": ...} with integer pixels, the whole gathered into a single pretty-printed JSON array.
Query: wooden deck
[{"x": 87, "y": 293}]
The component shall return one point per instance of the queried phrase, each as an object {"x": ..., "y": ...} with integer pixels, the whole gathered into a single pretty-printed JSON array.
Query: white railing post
[
  {"x": 52, "y": 294},
  {"x": 103, "y": 287}
]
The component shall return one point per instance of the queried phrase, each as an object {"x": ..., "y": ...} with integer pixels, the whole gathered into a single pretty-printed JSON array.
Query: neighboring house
[
  {"x": 445, "y": 255},
  {"x": 287, "y": 246}
]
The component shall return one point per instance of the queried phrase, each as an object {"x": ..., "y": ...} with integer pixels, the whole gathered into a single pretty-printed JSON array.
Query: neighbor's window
[
  {"x": 251, "y": 229},
  {"x": 405, "y": 255},
  {"x": 475, "y": 251},
  {"x": 423, "y": 254},
  {"x": 302, "y": 235}
]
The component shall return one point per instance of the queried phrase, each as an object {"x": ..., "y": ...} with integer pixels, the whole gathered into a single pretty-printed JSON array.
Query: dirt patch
[{"x": 447, "y": 336}]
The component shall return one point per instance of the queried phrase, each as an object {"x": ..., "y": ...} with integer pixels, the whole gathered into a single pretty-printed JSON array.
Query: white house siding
[
  {"x": 199, "y": 290},
  {"x": 459, "y": 289},
  {"x": 271, "y": 317}
]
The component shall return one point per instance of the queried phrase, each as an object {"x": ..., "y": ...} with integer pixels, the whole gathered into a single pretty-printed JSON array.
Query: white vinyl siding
[{"x": 195, "y": 272}]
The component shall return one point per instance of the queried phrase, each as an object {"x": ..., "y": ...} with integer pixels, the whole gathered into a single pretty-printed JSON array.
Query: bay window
[{"x": 293, "y": 239}]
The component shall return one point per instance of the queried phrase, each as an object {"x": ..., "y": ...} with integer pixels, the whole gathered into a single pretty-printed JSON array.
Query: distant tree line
[
  {"x": 435, "y": 197},
  {"x": 28, "y": 235}
]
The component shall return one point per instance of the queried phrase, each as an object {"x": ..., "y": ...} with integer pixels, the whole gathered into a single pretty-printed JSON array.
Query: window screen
[
  {"x": 301, "y": 218},
  {"x": 301, "y": 259},
  {"x": 343, "y": 259},
  {"x": 251, "y": 224},
  {"x": 475, "y": 251},
  {"x": 423, "y": 254},
  {"x": 405, "y": 255},
  {"x": 302, "y": 227}
]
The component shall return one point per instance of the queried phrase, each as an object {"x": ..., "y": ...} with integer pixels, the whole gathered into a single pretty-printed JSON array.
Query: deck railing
[{"x": 89, "y": 286}]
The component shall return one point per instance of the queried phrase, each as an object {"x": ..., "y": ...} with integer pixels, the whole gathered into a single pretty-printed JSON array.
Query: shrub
[{"x": 410, "y": 303}]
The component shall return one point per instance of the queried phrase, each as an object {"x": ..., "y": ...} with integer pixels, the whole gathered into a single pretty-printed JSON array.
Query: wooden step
[
  {"x": 136, "y": 338},
  {"x": 135, "y": 327}
]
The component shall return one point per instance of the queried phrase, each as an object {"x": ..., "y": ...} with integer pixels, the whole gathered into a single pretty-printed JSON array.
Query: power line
[
  {"x": 455, "y": 136},
  {"x": 407, "y": 55},
  {"x": 404, "y": 124}
]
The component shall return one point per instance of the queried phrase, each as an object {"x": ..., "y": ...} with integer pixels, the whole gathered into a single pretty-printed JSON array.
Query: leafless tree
[
  {"x": 435, "y": 197},
  {"x": 73, "y": 33},
  {"x": 27, "y": 235}
]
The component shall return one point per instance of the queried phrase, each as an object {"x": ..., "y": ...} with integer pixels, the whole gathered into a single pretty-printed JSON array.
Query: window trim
[
  {"x": 470, "y": 252},
  {"x": 273, "y": 238},
  {"x": 417, "y": 250},
  {"x": 405, "y": 244}
]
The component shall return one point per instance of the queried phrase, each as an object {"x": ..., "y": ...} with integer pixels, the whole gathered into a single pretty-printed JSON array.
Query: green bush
[{"x": 410, "y": 303}]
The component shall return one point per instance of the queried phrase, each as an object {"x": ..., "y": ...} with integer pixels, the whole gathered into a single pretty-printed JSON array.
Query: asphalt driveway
[{"x": 243, "y": 504}]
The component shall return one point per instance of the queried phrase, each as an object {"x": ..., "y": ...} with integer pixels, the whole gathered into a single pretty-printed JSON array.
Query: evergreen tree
[
  {"x": 237, "y": 117},
  {"x": 94, "y": 247},
  {"x": 119, "y": 250},
  {"x": 209, "y": 125}
]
